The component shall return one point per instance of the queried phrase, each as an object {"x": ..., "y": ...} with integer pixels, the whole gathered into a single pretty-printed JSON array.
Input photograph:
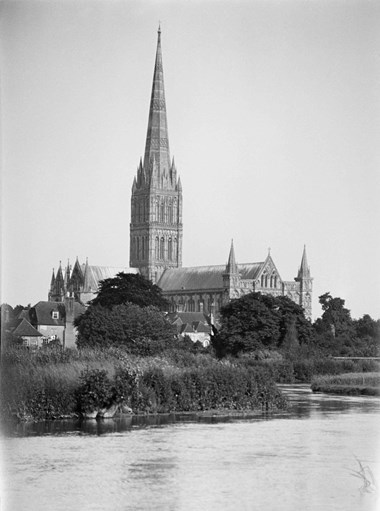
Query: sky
[{"x": 274, "y": 123}]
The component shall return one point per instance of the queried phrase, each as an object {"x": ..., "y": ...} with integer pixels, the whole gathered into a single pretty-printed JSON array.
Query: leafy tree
[
  {"x": 338, "y": 334},
  {"x": 366, "y": 326},
  {"x": 129, "y": 287},
  {"x": 335, "y": 318},
  {"x": 141, "y": 330},
  {"x": 256, "y": 321}
]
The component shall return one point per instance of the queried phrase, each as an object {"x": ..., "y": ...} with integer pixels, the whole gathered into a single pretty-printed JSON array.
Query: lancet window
[
  {"x": 170, "y": 249},
  {"x": 157, "y": 248}
]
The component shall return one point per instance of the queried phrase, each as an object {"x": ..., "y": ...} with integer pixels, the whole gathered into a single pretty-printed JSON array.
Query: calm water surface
[{"x": 298, "y": 460}]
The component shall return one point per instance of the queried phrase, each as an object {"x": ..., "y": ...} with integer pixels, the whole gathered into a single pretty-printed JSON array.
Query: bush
[{"x": 94, "y": 391}]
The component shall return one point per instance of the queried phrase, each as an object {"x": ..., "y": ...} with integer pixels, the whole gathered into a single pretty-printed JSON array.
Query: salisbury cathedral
[{"x": 156, "y": 232}]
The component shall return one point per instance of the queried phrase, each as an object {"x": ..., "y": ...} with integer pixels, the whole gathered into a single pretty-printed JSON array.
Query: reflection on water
[{"x": 299, "y": 459}]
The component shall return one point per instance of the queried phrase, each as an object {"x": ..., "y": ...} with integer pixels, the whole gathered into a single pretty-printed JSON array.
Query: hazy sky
[{"x": 274, "y": 122}]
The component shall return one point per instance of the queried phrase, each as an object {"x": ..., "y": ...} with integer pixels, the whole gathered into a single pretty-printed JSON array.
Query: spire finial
[{"x": 269, "y": 251}]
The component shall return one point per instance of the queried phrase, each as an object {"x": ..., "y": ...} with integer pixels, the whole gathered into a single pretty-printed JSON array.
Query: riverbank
[
  {"x": 366, "y": 384},
  {"x": 55, "y": 384}
]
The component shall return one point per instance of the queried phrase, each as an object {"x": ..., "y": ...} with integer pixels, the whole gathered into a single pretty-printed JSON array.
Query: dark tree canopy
[
  {"x": 141, "y": 330},
  {"x": 129, "y": 288},
  {"x": 335, "y": 318},
  {"x": 338, "y": 334},
  {"x": 256, "y": 321}
]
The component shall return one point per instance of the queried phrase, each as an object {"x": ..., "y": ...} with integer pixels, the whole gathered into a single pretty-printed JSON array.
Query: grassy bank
[
  {"x": 304, "y": 370},
  {"x": 348, "y": 384},
  {"x": 53, "y": 384}
]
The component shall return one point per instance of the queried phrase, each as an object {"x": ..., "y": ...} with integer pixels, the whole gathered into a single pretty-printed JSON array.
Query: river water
[{"x": 301, "y": 459}]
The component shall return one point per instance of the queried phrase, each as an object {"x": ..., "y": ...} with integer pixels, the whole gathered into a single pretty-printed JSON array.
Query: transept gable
[{"x": 268, "y": 276}]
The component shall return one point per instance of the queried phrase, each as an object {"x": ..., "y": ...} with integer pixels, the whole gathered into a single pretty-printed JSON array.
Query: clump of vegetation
[
  {"x": 337, "y": 334},
  {"x": 82, "y": 382}
]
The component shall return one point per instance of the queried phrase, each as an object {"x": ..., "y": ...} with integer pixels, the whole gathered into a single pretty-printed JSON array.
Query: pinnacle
[{"x": 232, "y": 266}]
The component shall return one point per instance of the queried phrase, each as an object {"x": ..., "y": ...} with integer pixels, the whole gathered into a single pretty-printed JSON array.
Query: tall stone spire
[
  {"x": 157, "y": 156},
  {"x": 156, "y": 202}
]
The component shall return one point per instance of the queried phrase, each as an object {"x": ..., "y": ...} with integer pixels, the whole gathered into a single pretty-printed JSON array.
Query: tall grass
[
  {"x": 303, "y": 370},
  {"x": 371, "y": 379},
  {"x": 349, "y": 383},
  {"x": 55, "y": 383}
]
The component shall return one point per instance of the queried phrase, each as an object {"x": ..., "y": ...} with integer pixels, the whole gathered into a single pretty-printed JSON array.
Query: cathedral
[{"x": 156, "y": 232}]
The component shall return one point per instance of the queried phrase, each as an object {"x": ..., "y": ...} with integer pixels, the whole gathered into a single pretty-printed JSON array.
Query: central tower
[{"x": 156, "y": 202}]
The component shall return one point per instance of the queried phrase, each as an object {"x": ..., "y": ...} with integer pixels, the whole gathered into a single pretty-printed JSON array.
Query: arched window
[
  {"x": 170, "y": 213},
  {"x": 170, "y": 249},
  {"x": 138, "y": 248},
  {"x": 162, "y": 211},
  {"x": 143, "y": 248},
  {"x": 266, "y": 280},
  {"x": 157, "y": 248},
  {"x": 162, "y": 248},
  {"x": 191, "y": 305},
  {"x": 262, "y": 280},
  {"x": 271, "y": 280},
  {"x": 275, "y": 281},
  {"x": 175, "y": 210},
  {"x": 157, "y": 210}
]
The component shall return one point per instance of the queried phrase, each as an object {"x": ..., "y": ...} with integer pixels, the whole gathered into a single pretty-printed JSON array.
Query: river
[{"x": 302, "y": 459}]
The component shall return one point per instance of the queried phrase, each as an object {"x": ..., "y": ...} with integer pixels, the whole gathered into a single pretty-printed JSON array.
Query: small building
[
  {"x": 195, "y": 325},
  {"x": 53, "y": 321},
  {"x": 22, "y": 329}
]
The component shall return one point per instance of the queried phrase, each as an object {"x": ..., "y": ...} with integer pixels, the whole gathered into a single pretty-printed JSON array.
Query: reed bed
[
  {"x": 54, "y": 384},
  {"x": 349, "y": 383}
]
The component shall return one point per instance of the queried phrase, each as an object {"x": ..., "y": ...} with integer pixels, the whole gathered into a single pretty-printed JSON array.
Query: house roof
[
  {"x": 187, "y": 317},
  {"x": 41, "y": 313},
  {"x": 192, "y": 322},
  {"x": 23, "y": 328},
  {"x": 203, "y": 277}
]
